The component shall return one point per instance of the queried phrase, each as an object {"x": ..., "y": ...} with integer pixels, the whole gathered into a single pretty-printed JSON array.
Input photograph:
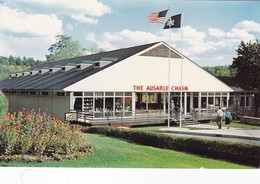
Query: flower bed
[{"x": 34, "y": 136}]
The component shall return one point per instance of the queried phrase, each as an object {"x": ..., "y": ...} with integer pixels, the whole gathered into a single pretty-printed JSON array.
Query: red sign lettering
[{"x": 159, "y": 88}]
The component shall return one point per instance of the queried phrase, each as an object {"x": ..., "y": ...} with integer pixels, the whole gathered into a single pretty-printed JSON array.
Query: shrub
[
  {"x": 241, "y": 153},
  {"x": 39, "y": 134}
]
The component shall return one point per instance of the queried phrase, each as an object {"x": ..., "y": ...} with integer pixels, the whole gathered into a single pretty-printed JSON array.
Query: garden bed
[{"x": 33, "y": 136}]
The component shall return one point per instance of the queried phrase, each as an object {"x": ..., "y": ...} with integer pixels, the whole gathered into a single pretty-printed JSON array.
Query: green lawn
[{"x": 116, "y": 153}]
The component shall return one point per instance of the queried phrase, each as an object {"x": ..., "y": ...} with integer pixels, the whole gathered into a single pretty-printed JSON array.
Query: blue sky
[{"x": 212, "y": 30}]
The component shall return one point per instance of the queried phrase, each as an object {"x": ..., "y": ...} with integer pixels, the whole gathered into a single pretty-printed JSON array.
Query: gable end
[{"x": 161, "y": 51}]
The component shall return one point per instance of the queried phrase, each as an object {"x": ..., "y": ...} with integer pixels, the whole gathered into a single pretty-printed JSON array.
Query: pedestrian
[
  {"x": 219, "y": 118},
  {"x": 228, "y": 118},
  {"x": 172, "y": 107}
]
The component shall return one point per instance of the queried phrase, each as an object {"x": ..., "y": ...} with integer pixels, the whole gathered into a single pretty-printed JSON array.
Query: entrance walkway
[{"x": 211, "y": 130}]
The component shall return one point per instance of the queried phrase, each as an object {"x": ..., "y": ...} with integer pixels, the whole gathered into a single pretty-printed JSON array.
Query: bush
[
  {"x": 241, "y": 153},
  {"x": 39, "y": 134}
]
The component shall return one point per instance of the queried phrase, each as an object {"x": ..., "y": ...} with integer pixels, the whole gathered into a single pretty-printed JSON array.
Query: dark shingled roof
[
  {"x": 61, "y": 79},
  {"x": 232, "y": 83}
]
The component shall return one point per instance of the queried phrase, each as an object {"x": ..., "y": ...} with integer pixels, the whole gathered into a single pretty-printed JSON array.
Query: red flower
[
  {"x": 18, "y": 124},
  {"x": 26, "y": 114},
  {"x": 44, "y": 123}
]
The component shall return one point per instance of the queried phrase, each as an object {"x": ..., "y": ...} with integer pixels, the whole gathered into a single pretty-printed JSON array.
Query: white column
[
  {"x": 214, "y": 100},
  {"x": 123, "y": 104},
  {"x": 71, "y": 100},
  {"x": 185, "y": 103},
  {"x": 191, "y": 101},
  {"x": 199, "y": 105},
  {"x": 207, "y": 100},
  {"x": 114, "y": 103},
  {"x": 133, "y": 103},
  {"x": 164, "y": 103}
]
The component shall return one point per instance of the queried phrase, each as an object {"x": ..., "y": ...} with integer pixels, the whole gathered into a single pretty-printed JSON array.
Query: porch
[{"x": 140, "y": 118}]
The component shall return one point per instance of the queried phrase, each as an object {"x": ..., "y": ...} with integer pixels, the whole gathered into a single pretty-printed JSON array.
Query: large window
[{"x": 103, "y": 103}]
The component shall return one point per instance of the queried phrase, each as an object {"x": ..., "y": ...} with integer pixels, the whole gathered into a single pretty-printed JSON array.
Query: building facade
[{"x": 123, "y": 82}]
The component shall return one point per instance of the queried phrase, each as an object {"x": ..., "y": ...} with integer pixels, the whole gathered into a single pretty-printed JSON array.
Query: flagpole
[
  {"x": 181, "y": 107},
  {"x": 169, "y": 78}
]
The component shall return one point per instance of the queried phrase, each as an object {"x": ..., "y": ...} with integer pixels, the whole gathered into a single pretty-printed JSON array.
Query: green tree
[
  {"x": 220, "y": 71},
  {"x": 247, "y": 66},
  {"x": 64, "y": 48}
]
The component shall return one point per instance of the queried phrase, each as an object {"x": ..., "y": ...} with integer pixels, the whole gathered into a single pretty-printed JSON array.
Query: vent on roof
[
  {"x": 18, "y": 74},
  {"x": 43, "y": 70},
  {"x": 84, "y": 64},
  {"x": 13, "y": 75},
  {"x": 68, "y": 66},
  {"x": 55, "y": 68},
  {"x": 26, "y": 73},
  {"x": 104, "y": 61},
  {"x": 33, "y": 72}
]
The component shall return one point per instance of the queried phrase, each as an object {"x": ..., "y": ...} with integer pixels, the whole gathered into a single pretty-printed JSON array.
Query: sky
[{"x": 210, "y": 35}]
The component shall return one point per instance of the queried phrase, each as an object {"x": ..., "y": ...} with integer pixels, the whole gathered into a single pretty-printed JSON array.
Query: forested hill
[
  {"x": 220, "y": 71},
  {"x": 13, "y": 64}
]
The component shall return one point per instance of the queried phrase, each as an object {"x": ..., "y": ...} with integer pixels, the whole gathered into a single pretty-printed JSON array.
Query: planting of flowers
[{"x": 35, "y": 136}]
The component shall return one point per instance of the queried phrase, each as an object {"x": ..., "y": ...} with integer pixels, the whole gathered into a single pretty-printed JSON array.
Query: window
[
  {"x": 88, "y": 94},
  {"x": 77, "y": 93},
  {"x": 60, "y": 93},
  {"x": 119, "y": 94},
  {"x": 109, "y": 94},
  {"x": 45, "y": 93},
  {"x": 32, "y": 93}
]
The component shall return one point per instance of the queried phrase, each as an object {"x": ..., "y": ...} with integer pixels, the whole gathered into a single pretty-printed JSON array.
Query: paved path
[{"x": 211, "y": 130}]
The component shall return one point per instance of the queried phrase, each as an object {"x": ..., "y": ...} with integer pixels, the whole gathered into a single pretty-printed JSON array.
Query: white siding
[{"x": 143, "y": 70}]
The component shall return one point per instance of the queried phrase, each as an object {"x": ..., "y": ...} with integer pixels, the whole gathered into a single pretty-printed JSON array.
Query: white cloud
[
  {"x": 240, "y": 34},
  {"x": 91, "y": 37},
  {"x": 249, "y": 26},
  {"x": 216, "y": 32},
  {"x": 195, "y": 41},
  {"x": 84, "y": 19},
  {"x": 35, "y": 47},
  {"x": 16, "y": 21},
  {"x": 124, "y": 38},
  {"x": 80, "y": 10},
  {"x": 26, "y": 34}
]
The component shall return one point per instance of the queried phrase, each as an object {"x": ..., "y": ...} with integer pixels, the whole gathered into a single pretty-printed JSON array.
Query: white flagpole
[
  {"x": 169, "y": 78},
  {"x": 181, "y": 106}
]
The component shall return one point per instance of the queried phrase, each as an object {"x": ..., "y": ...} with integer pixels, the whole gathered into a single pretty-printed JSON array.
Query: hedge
[{"x": 241, "y": 153}]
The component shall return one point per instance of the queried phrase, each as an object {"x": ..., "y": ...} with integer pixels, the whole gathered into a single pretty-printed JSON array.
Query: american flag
[{"x": 157, "y": 17}]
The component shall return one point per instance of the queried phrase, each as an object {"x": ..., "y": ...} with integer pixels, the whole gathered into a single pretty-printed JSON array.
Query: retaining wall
[{"x": 250, "y": 120}]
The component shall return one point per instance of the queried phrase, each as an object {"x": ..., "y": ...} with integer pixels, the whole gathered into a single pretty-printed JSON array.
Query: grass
[{"x": 116, "y": 153}]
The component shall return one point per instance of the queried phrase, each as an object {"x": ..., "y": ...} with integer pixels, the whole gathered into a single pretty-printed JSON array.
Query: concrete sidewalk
[{"x": 211, "y": 130}]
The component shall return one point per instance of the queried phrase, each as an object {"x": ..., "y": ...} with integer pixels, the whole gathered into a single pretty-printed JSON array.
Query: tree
[
  {"x": 220, "y": 71},
  {"x": 64, "y": 48},
  {"x": 247, "y": 65}
]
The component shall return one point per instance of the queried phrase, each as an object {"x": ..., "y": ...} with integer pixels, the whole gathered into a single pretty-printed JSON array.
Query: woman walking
[{"x": 228, "y": 118}]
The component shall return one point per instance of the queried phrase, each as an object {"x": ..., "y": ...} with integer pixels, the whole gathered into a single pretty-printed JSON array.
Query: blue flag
[{"x": 173, "y": 22}]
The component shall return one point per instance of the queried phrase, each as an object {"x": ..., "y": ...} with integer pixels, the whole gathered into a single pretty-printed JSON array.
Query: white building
[{"x": 123, "y": 82}]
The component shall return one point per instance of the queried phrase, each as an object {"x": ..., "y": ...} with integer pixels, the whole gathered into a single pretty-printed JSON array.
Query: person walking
[
  {"x": 228, "y": 118},
  {"x": 219, "y": 117}
]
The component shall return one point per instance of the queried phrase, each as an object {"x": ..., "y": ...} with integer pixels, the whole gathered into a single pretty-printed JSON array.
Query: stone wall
[{"x": 250, "y": 120}]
